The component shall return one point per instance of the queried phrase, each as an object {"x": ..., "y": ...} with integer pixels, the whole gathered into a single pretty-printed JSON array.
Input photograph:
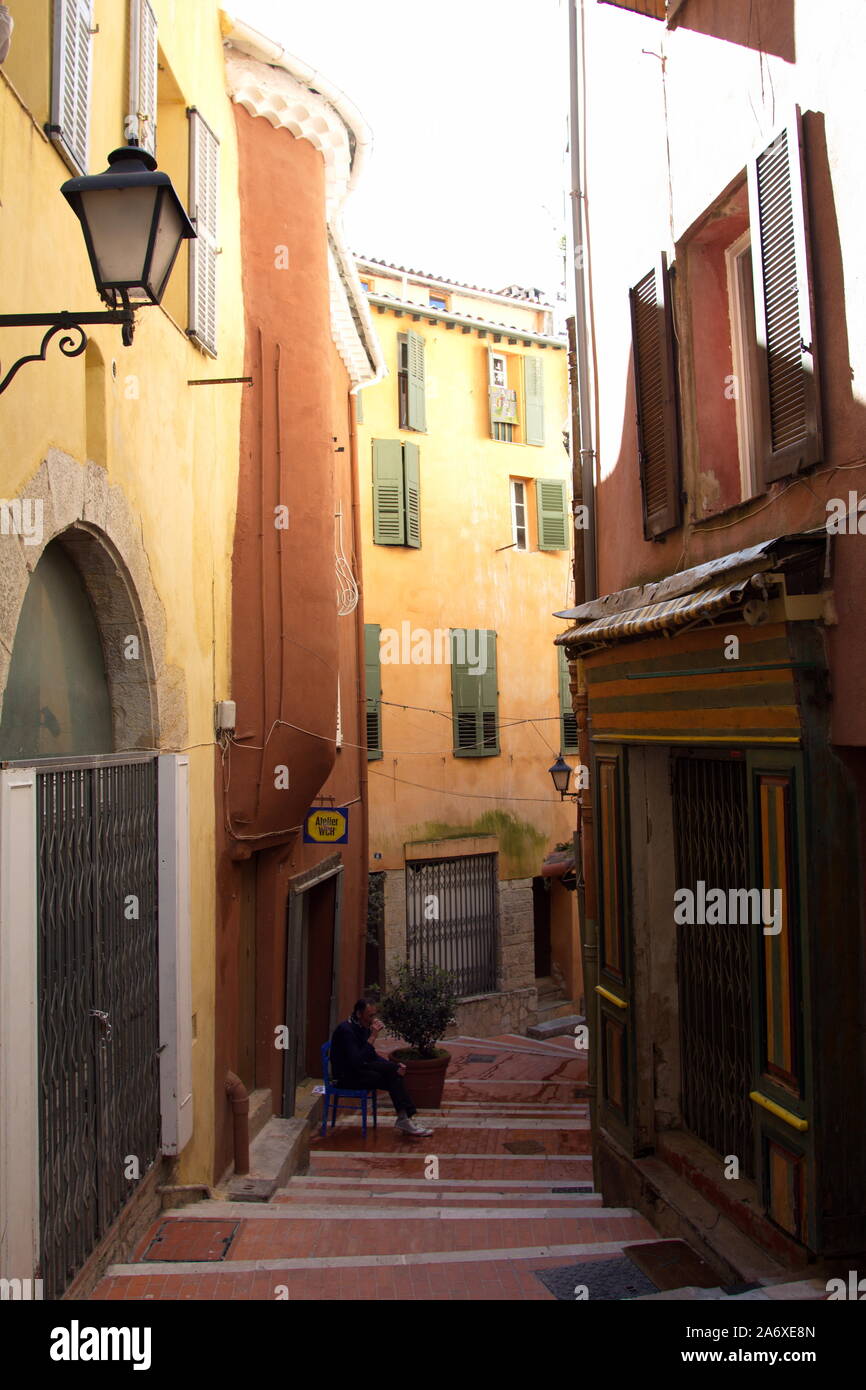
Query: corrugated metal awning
[{"x": 659, "y": 617}]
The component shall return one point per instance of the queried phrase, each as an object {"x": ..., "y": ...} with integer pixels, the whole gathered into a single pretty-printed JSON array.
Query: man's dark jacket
[{"x": 351, "y": 1053}]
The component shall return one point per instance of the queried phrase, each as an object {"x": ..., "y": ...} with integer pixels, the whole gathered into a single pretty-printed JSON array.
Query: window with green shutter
[
  {"x": 373, "y": 673},
  {"x": 567, "y": 717},
  {"x": 552, "y": 504},
  {"x": 396, "y": 493},
  {"x": 533, "y": 397},
  {"x": 411, "y": 382},
  {"x": 474, "y": 696}
]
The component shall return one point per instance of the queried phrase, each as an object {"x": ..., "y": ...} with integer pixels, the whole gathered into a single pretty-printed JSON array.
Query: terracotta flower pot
[{"x": 425, "y": 1077}]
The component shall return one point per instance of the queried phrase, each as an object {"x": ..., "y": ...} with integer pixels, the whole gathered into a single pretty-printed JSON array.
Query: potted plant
[{"x": 418, "y": 1007}]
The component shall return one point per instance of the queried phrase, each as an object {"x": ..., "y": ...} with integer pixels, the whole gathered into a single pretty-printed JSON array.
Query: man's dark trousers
[
  {"x": 356, "y": 1065},
  {"x": 385, "y": 1077}
]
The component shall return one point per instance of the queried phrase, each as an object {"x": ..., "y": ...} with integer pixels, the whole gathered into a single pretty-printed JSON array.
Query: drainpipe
[
  {"x": 585, "y": 572},
  {"x": 239, "y": 1097},
  {"x": 362, "y": 670}
]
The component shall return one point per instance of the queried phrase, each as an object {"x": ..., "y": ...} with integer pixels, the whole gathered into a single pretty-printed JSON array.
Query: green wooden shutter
[
  {"x": 70, "y": 81},
  {"x": 359, "y": 408},
  {"x": 373, "y": 672},
  {"x": 533, "y": 394},
  {"x": 655, "y": 391},
  {"x": 389, "y": 507},
  {"x": 412, "y": 476},
  {"x": 417, "y": 381},
  {"x": 567, "y": 717},
  {"x": 474, "y": 696},
  {"x": 784, "y": 311},
  {"x": 552, "y": 503}
]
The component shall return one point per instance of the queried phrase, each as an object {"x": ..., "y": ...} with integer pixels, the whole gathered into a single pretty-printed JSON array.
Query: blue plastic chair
[{"x": 334, "y": 1094}]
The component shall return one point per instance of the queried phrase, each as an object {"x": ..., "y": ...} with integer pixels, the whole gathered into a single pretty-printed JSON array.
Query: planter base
[{"x": 425, "y": 1077}]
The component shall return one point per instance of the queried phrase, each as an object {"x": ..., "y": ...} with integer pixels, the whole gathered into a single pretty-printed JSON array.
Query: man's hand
[
  {"x": 401, "y": 1070},
  {"x": 375, "y": 1028}
]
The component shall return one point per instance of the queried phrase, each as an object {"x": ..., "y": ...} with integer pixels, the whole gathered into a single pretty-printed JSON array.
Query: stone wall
[{"x": 512, "y": 1009}]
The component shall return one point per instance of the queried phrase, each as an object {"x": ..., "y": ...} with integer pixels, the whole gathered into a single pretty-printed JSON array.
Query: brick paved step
[
  {"x": 347, "y": 1197},
  {"x": 552, "y": 1167},
  {"x": 497, "y": 1186},
  {"x": 513, "y": 1044},
  {"x": 462, "y": 1275},
  {"x": 322, "y": 1210}
]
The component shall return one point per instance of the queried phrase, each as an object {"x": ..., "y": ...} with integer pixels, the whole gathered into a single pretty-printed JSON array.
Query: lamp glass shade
[
  {"x": 561, "y": 774},
  {"x": 119, "y": 223},
  {"x": 133, "y": 223}
]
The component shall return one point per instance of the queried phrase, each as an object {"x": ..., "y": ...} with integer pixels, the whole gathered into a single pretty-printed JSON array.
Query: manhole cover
[
  {"x": 526, "y": 1146},
  {"x": 612, "y": 1279},
  {"x": 192, "y": 1240},
  {"x": 480, "y": 1057}
]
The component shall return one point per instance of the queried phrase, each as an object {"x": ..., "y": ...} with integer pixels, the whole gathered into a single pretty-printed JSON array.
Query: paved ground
[{"x": 368, "y": 1222}]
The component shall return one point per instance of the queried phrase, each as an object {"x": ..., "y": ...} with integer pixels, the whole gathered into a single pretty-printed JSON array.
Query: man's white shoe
[{"x": 408, "y": 1126}]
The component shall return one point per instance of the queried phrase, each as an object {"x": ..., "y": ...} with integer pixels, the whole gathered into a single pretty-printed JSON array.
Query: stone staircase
[{"x": 498, "y": 1194}]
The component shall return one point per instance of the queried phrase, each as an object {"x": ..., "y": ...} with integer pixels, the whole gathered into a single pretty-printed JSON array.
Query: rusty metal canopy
[
  {"x": 683, "y": 599},
  {"x": 658, "y": 617}
]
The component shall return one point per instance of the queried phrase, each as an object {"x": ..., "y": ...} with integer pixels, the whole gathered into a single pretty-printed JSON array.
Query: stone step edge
[
  {"x": 520, "y": 1252},
  {"x": 241, "y": 1211},
  {"x": 475, "y": 1184}
]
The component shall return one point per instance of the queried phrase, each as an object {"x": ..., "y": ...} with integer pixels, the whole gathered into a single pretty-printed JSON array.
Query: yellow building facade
[
  {"x": 466, "y": 524},
  {"x": 118, "y": 479}
]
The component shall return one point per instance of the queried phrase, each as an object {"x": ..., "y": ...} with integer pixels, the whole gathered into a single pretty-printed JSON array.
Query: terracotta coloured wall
[{"x": 288, "y": 643}]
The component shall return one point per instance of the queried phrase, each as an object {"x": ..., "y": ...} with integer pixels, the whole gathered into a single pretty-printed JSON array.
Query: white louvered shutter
[
  {"x": 70, "y": 81},
  {"x": 203, "y": 252},
  {"x": 141, "y": 121}
]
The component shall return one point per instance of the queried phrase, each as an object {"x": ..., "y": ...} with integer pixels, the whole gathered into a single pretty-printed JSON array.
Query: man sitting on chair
[{"x": 357, "y": 1066}]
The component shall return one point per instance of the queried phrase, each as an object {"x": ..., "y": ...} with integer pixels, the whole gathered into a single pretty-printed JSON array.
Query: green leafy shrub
[{"x": 418, "y": 1006}]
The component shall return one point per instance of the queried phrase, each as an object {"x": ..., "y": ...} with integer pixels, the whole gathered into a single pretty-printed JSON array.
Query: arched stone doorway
[{"x": 82, "y": 695}]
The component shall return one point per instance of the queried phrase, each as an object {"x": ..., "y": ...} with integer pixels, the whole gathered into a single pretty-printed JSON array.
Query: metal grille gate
[
  {"x": 452, "y": 918},
  {"x": 714, "y": 961},
  {"x": 98, "y": 999}
]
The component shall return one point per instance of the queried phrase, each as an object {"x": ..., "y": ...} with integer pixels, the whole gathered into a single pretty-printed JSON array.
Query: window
[
  {"x": 509, "y": 377},
  {"x": 474, "y": 696},
  {"x": 70, "y": 81},
  {"x": 203, "y": 211},
  {"x": 744, "y": 350},
  {"x": 567, "y": 718},
  {"x": 503, "y": 398},
  {"x": 745, "y": 285},
  {"x": 140, "y": 124},
  {"x": 518, "y": 514},
  {"x": 439, "y": 301},
  {"x": 373, "y": 675},
  {"x": 366, "y": 286},
  {"x": 411, "y": 382},
  {"x": 396, "y": 493}
]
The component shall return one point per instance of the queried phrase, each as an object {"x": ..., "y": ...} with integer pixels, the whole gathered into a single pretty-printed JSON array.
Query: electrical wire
[{"x": 470, "y": 796}]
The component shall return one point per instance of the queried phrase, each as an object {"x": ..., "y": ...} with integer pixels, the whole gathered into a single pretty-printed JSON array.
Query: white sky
[{"x": 467, "y": 101}]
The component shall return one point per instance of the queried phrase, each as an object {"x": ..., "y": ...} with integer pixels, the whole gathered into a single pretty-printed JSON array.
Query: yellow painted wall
[
  {"x": 461, "y": 577},
  {"x": 171, "y": 448}
]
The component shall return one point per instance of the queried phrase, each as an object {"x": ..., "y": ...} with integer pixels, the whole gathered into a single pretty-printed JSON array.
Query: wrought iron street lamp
[
  {"x": 133, "y": 224},
  {"x": 561, "y": 774}
]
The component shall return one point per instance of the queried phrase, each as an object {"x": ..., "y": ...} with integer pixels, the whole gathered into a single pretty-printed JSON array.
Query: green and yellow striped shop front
[{"x": 725, "y": 996}]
